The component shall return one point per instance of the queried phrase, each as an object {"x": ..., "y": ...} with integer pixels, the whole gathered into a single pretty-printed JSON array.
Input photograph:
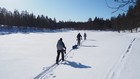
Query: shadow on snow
[
  {"x": 90, "y": 40},
  {"x": 88, "y": 46},
  {"x": 76, "y": 65}
]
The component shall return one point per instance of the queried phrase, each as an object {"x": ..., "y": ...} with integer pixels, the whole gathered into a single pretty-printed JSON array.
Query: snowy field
[{"x": 104, "y": 55}]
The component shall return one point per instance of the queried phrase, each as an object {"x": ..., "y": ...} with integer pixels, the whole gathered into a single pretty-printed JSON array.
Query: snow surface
[{"x": 104, "y": 55}]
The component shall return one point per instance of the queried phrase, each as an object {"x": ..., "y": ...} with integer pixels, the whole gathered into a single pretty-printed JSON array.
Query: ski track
[
  {"x": 48, "y": 72},
  {"x": 114, "y": 72},
  {"x": 50, "y": 69}
]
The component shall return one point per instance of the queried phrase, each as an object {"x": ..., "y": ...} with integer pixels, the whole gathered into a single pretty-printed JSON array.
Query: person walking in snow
[
  {"x": 85, "y": 36},
  {"x": 79, "y": 38},
  {"x": 61, "y": 49}
]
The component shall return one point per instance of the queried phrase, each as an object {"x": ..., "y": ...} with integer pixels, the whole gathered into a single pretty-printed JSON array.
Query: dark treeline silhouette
[
  {"x": 128, "y": 21},
  {"x": 25, "y": 20}
]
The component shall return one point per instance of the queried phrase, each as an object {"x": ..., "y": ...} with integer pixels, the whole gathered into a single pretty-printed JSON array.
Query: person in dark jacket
[
  {"x": 85, "y": 36},
  {"x": 79, "y": 38},
  {"x": 61, "y": 48}
]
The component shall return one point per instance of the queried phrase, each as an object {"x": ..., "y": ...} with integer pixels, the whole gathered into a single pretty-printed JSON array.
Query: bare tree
[{"x": 121, "y": 4}]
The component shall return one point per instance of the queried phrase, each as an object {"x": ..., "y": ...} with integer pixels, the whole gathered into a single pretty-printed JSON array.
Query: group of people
[
  {"x": 61, "y": 48},
  {"x": 79, "y": 38}
]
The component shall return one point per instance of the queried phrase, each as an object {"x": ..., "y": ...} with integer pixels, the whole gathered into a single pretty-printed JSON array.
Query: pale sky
[{"x": 74, "y": 10}]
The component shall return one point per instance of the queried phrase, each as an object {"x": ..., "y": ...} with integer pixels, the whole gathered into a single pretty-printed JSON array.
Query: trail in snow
[
  {"x": 36, "y": 52},
  {"x": 112, "y": 74},
  {"x": 48, "y": 70},
  {"x": 115, "y": 71}
]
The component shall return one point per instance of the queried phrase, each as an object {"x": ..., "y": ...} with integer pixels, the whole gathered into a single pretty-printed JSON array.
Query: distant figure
[
  {"x": 85, "y": 36},
  {"x": 61, "y": 48},
  {"x": 79, "y": 38}
]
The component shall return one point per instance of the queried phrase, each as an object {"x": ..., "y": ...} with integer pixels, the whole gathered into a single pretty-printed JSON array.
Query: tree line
[
  {"x": 25, "y": 19},
  {"x": 128, "y": 21},
  {"x": 125, "y": 21}
]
